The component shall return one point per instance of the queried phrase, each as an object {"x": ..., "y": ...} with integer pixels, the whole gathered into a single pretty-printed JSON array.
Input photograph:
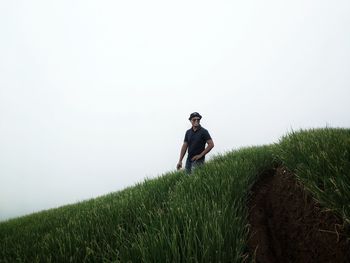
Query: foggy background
[{"x": 95, "y": 95}]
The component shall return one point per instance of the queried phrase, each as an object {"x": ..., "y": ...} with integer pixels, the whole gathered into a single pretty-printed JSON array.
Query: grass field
[{"x": 181, "y": 218}]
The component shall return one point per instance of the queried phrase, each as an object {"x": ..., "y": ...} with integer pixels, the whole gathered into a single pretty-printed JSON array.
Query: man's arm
[
  {"x": 206, "y": 150},
  {"x": 182, "y": 154}
]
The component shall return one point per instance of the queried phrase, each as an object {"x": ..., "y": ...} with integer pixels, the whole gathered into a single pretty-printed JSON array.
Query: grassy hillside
[{"x": 180, "y": 218}]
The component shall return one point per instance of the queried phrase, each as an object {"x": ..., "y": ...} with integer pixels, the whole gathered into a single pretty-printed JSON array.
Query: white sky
[{"x": 95, "y": 95}]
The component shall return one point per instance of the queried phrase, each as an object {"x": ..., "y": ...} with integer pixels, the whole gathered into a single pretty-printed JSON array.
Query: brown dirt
[{"x": 288, "y": 225}]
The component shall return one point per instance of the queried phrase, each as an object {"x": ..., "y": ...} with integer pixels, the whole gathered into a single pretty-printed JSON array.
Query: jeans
[{"x": 191, "y": 165}]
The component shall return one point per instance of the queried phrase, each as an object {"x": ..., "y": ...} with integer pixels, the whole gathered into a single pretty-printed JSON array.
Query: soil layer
[{"x": 288, "y": 225}]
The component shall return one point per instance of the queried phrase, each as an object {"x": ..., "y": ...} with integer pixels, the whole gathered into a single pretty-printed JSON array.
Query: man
[{"x": 195, "y": 140}]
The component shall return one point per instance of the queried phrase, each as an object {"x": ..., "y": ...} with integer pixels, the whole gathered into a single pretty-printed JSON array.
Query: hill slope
[{"x": 179, "y": 218}]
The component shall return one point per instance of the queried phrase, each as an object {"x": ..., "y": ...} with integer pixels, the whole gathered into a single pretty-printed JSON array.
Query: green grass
[
  {"x": 321, "y": 160},
  {"x": 180, "y": 218}
]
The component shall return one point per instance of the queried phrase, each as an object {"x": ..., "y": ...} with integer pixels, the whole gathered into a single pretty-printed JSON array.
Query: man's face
[{"x": 195, "y": 121}]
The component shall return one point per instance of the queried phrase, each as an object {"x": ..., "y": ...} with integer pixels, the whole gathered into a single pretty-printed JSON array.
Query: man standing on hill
[{"x": 195, "y": 140}]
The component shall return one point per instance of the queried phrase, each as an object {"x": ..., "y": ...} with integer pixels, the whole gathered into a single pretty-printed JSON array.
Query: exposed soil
[{"x": 288, "y": 225}]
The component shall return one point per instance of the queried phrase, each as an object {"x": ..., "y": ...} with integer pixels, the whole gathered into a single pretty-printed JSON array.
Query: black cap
[{"x": 195, "y": 114}]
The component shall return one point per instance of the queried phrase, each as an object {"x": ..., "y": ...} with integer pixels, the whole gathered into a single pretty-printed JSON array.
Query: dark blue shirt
[{"x": 196, "y": 141}]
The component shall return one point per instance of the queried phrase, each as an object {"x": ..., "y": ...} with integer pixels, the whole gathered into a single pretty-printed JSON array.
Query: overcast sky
[{"x": 95, "y": 95}]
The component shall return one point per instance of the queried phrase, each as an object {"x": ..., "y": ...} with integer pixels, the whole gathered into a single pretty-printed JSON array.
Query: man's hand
[
  {"x": 196, "y": 157},
  {"x": 179, "y": 165}
]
